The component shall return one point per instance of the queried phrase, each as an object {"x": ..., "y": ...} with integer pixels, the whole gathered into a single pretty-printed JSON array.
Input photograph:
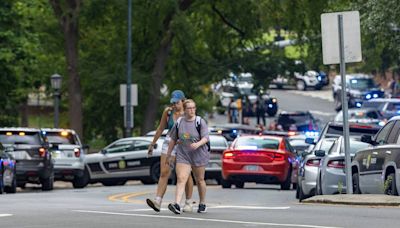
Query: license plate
[{"x": 251, "y": 167}]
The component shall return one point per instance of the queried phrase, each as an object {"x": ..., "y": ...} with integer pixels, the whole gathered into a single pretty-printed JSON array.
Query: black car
[
  {"x": 29, "y": 147},
  {"x": 360, "y": 88},
  {"x": 297, "y": 121},
  {"x": 8, "y": 178},
  {"x": 376, "y": 169}
]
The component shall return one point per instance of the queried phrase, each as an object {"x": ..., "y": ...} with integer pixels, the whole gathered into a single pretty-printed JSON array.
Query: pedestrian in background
[
  {"x": 168, "y": 119},
  {"x": 260, "y": 111},
  {"x": 191, "y": 154}
]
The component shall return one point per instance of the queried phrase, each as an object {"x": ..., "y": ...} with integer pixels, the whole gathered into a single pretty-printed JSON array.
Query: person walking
[
  {"x": 168, "y": 119},
  {"x": 192, "y": 153},
  {"x": 260, "y": 111}
]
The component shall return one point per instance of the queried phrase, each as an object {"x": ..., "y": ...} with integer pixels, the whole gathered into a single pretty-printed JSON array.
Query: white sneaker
[{"x": 188, "y": 207}]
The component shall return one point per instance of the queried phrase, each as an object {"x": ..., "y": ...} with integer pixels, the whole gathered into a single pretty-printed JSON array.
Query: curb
[{"x": 360, "y": 200}]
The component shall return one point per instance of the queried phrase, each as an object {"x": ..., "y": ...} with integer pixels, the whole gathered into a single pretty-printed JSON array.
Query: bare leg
[
  {"x": 199, "y": 173},
  {"x": 182, "y": 174},
  {"x": 165, "y": 172},
  {"x": 189, "y": 187}
]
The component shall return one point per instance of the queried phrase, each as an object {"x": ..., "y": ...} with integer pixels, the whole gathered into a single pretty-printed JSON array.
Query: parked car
[
  {"x": 8, "y": 173},
  {"x": 376, "y": 169},
  {"x": 387, "y": 107},
  {"x": 260, "y": 159},
  {"x": 123, "y": 160},
  {"x": 310, "y": 79},
  {"x": 331, "y": 178},
  {"x": 359, "y": 88},
  {"x": 30, "y": 150},
  {"x": 308, "y": 169},
  {"x": 363, "y": 115},
  {"x": 218, "y": 145},
  {"x": 68, "y": 153}
]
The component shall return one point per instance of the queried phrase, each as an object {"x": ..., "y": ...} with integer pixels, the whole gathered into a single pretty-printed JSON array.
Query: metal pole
[
  {"x": 129, "y": 73},
  {"x": 346, "y": 133},
  {"x": 56, "y": 108}
]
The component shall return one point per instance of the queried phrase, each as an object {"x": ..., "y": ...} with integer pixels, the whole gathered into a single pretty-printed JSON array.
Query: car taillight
[
  {"x": 42, "y": 152},
  {"x": 228, "y": 155},
  {"x": 77, "y": 152},
  {"x": 279, "y": 157},
  {"x": 338, "y": 164},
  {"x": 313, "y": 162}
]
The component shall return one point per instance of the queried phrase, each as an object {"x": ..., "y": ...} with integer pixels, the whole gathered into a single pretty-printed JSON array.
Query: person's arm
[
  {"x": 160, "y": 129},
  {"x": 172, "y": 143}
]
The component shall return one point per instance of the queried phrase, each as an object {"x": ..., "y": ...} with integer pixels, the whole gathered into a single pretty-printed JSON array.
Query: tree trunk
[
  {"x": 67, "y": 15},
  {"x": 158, "y": 73}
]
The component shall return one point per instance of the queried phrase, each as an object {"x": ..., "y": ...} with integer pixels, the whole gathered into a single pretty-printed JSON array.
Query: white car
[
  {"x": 68, "y": 154},
  {"x": 125, "y": 159}
]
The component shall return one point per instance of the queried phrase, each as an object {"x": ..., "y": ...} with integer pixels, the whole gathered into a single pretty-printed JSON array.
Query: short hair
[{"x": 187, "y": 101}]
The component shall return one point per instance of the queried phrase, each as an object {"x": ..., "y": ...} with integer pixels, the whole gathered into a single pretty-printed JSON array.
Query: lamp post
[{"x": 56, "y": 86}]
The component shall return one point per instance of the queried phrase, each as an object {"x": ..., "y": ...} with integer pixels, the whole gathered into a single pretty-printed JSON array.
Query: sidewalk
[{"x": 355, "y": 199}]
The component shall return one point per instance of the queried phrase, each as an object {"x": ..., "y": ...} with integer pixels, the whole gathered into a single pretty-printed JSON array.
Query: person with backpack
[
  {"x": 168, "y": 119},
  {"x": 192, "y": 153}
]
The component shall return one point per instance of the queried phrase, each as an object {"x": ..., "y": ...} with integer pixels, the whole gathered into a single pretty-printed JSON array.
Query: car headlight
[
  {"x": 274, "y": 100},
  {"x": 368, "y": 96}
]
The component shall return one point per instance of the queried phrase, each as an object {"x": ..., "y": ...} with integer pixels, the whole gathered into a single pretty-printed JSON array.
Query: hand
[
  {"x": 194, "y": 146},
  {"x": 150, "y": 150}
]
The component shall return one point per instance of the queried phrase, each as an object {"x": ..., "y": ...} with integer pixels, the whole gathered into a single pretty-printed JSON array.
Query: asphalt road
[
  {"x": 124, "y": 206},
  {"x": 254, "y": 206}
]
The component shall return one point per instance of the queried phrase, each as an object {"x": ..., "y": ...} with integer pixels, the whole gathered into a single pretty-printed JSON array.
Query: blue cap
[{"x": 176, "y": 96}]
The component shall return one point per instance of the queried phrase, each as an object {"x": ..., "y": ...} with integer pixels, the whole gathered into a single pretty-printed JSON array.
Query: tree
[{"x": 67, "y": 13}]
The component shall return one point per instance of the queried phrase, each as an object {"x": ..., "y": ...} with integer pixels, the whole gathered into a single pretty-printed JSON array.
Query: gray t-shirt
[{"x": 188, "y": 134}]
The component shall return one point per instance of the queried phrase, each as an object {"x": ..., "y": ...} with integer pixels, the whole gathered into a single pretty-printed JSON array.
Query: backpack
[{"x": 198, "y": 128}]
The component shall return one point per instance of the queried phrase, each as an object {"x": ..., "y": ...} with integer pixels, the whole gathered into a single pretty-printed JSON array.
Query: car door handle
[{"x": 123, "y": 157}]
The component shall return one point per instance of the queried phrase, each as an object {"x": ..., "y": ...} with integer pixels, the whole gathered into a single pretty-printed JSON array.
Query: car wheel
[
  {"x": 225, "y": 183},
  {"x": 239, "y": 184},
  {"x": 155, "y": 170},
  {"x": 286, "y": 184},
  {"x": 272, "y": 113},
  {"x": 390, "y": 188},
  {"x": 83, "y": 181},
  {"x": 302, "y": 196},
  {"x": 13, "y": 187},
  {"x": 21, "y": 185},
  {"x": 356, "y": 184},
  {"x": 301, "y": 85},
  {"x": 47, "y": 183}
]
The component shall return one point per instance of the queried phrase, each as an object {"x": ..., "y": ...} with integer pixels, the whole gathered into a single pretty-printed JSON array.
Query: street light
[{"x": 56, "y": 86}]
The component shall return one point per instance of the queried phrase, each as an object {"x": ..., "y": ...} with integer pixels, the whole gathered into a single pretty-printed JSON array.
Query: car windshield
[
  {"x": 356, "y": 146},
  {"x": 61, "y": 138},
  {"x": 362, "y": 83},
  {"x": 286, "y": 120},
  {"x": 218, "y": 141},
  {"x": 257, "y": 143},
  {"x": 245, "y": 91},
  {"x": 20, "y": 137}
]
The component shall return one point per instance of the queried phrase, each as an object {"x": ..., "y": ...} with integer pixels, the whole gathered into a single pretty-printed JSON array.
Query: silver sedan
[{"x": 331, "y": 175}]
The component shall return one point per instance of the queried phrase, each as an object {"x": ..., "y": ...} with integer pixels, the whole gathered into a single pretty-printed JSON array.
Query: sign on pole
[
  {"x": 341, "y": 43},
  {"x": 351, "y": 34},
  {"x": 122, "y": 95}
]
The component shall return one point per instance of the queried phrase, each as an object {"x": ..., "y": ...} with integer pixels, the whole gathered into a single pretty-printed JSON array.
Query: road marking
[
  {"x": 5, "y": 215},
  {"x": 222, "y": 207},
  {"x": 322, "y": 94},
  {"x": 204, "y": 219},
  {"x": 125, "y": 197}
]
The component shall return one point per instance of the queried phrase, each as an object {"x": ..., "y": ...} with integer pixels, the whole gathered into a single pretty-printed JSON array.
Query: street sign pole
[
  {"x": 346, "y": 131},
  {"x": 129, "y": 121}
]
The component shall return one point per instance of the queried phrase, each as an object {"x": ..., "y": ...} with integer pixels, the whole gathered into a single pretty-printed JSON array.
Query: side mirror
[
  {"x": 309, "y": 141},
  {"x": 320, "y": 153},
  {"x": 103, "y": 151},
  {"x": 367, "y": 139}
]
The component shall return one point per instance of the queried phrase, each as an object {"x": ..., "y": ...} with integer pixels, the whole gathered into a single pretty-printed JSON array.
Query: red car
[{"x": 258, "y": 158}]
